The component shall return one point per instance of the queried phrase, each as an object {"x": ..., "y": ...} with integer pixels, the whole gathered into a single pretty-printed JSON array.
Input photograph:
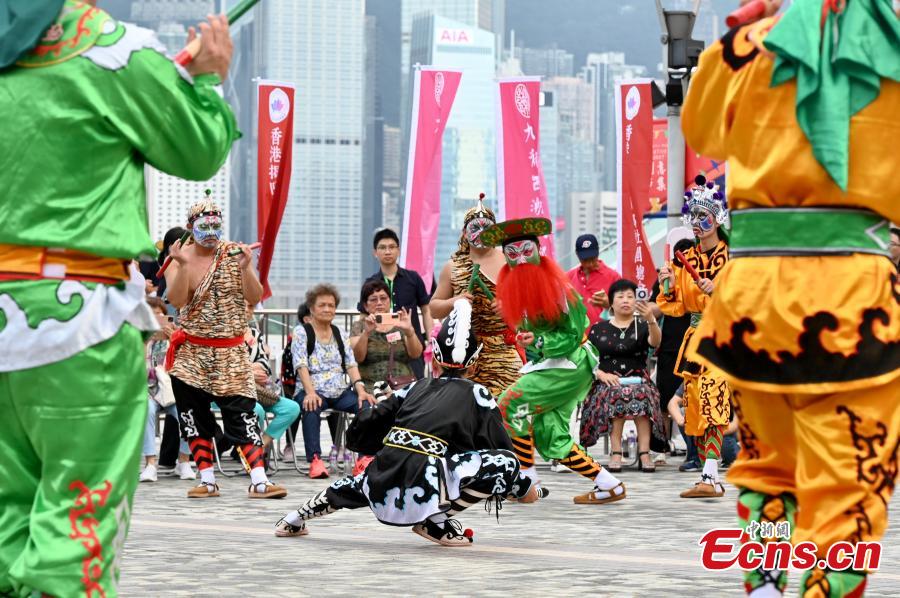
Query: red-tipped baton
[
  {"x": 687, "y": 266},
  {"x": 232, "y": 253},
  {"x": 192, "y": 49},
  {"x": 238, "y": 250},
  {"x": 752, "y": 11},
  {"x": 168, "y": 260}
]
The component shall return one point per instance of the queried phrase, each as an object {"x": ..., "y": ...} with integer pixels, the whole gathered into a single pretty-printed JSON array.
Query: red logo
[{"x": 720, "y": 552}]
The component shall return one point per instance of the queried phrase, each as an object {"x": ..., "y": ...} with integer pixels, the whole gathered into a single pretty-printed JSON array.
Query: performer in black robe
[{"x": 441, "y": 447}]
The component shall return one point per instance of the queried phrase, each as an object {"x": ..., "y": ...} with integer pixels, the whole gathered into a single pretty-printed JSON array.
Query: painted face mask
[
  {"x": 525, "y": 251},
  {"x": 703, "y": 220},
  {"x": 207, "y": 230},
  {"x": 473, "y": 231}
]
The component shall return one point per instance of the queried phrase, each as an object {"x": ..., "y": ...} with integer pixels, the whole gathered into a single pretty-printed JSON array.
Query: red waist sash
[{"x": 179, "y": 337}]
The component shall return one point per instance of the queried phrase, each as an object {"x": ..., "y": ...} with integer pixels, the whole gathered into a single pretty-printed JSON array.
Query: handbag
[
  {"x": 165, "y": 396},
  {"x": 266, "y": 395},
  {"x": 397, "y": 382}
]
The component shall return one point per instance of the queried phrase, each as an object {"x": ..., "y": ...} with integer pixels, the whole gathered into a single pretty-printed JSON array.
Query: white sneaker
[
  {"x": 556, "y": 467},
  {"x": 149, "y": 474},
  {"x": 184, "y": 471},
  {"x": 288, "y": 454}
]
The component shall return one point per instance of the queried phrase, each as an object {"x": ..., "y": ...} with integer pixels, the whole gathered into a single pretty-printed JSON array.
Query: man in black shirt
[{"x": 407, "y": 288}]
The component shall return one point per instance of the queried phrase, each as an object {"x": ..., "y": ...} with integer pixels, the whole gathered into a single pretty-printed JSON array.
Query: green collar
[{"x": 838, "y": 67}]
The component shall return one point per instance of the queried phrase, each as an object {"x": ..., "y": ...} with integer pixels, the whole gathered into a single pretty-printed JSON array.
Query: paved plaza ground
[{"x": 645, "y": 545}]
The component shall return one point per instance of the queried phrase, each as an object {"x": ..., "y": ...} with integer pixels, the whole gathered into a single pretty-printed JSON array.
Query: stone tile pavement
[{"x": 645, "y": 545}]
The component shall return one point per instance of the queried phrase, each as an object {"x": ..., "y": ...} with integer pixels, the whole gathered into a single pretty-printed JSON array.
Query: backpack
[
  {"x": 288, "y": 373},
  {"x": 311, "y": 342}
]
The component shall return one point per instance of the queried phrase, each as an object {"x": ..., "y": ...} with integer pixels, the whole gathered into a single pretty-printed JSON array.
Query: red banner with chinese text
[
  {"x": 521, "y": 192},
  {"x": 634, "y": 149},
  {"x": 659, "y": 170},
  {"x": 275, "y": 107}
]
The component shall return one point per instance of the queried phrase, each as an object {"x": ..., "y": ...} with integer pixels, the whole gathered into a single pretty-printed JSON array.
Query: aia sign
[{"x": 454, "y": 36}]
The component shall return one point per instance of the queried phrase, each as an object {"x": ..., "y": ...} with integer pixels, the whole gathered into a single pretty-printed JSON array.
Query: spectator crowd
[{"x": 329, "y": 372}]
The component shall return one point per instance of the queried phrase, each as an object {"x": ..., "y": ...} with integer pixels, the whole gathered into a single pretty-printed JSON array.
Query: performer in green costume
[
  {"x": 537, "y": 299},
  {"x": 85, "y": 103}
]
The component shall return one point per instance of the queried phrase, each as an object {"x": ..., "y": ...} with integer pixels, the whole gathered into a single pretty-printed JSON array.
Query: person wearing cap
[
  {"x": 804, "y": 321},
  {"x": 591, "y": 278},
  {"x": 86, "y": 103},
  {"x": 439, "y": 446},
  {"x": 537, "y": 300}
]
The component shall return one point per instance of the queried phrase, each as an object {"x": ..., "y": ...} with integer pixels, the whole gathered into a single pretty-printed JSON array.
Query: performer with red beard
[{"x": 537, "y": 300}]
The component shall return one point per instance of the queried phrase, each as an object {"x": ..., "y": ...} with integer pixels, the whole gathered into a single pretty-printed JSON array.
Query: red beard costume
[{"x": 537, "y": 292}]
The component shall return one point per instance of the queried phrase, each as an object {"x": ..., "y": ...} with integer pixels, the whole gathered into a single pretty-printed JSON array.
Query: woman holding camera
[
  {"x": 623, "y": 388},
  {"x": 383, "y": 344}
]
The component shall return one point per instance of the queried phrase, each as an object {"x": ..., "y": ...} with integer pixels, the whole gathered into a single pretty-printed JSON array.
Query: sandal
[
  {"x": 614, "y": 468},
  {"x": 645, "y": 468}
]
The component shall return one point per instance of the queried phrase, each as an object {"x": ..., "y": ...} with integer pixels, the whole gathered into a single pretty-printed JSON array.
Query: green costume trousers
[
  {"x": 70, "y": 439},
  {"x": 541, "y": 403}
]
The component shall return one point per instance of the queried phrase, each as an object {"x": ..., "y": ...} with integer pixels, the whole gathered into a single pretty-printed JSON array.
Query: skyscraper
[
  {"x": 392, "y": 200},
  {"x": 549, "y": 129},
  {"x": 373, "y": 163},
  {"x": 153, "y": 13},
  {"x": 168, "y": 197},
  {"x": 240, "y": 93},
  {"x": 576, "y": 151},
  {"x": 484, "y": 14},
  {"x": 546, "y": 62},
  {"x": 469, "y": 162},
  {"x": 601, "y": 72},
  {"x": 320, "y": 46},
  {"x": 488, "y": 15}
]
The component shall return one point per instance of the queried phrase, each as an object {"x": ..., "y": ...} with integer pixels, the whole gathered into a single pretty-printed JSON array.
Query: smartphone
[
  {"x": 170, "y": 319},
  {"x": 387, "y": 321}
]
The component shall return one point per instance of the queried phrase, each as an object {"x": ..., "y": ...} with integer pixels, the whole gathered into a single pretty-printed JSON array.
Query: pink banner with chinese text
[
  {"x": 634, "y": 152},
  {"x": 433, "y": 93},
  {"x": 520, "y": 175}
]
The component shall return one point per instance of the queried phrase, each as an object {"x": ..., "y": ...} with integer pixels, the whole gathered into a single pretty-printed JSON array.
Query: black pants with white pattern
[{"x": 497, "y": 476}]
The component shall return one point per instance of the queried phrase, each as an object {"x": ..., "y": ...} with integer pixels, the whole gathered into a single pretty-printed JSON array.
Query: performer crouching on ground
[
  {"x": 537, "y": 299},
  {"x": 440, "y": 446}
]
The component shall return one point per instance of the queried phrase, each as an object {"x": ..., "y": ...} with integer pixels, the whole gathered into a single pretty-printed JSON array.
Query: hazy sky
[{"x": 583, "y": 26}]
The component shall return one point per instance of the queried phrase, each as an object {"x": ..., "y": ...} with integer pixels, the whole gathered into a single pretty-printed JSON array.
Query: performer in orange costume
[
  {"x": 805, "y": 320},
  {"x": 706, "y": 394}
]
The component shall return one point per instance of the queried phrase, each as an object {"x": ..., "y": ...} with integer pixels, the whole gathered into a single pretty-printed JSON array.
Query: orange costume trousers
[{"x": 836, "y": 453}]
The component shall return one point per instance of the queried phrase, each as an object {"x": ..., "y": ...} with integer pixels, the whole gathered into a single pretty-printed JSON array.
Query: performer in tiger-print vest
[
  {"x": 209, "y": 280},
  {"x": 498, "y": 367}
]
